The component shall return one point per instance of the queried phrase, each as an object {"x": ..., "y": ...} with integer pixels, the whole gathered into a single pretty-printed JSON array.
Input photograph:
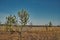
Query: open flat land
[{"x": 31, "y": 33}]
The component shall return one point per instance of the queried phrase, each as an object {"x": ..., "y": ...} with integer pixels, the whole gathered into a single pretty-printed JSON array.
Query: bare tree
[{"x": 23, "y": 16}]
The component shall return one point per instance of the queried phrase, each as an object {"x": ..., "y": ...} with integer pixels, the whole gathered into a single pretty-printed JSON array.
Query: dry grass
[{"x": 31, "y": 33}]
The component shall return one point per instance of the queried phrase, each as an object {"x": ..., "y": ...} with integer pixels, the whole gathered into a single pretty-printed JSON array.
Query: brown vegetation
[{"x": 31, "y": 33}]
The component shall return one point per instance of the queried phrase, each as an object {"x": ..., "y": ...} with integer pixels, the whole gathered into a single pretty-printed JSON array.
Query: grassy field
[{"x": 31, "y": 33}]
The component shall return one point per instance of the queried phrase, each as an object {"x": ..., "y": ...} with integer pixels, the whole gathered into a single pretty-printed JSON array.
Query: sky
[{"x": 41, "y": 11}]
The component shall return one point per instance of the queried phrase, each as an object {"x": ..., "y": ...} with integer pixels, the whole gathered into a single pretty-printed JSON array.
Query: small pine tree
[
  {"x": 23, "y": 16},
  {"x": 50, "y": 23},
  {"x": 10, "y": 20}
]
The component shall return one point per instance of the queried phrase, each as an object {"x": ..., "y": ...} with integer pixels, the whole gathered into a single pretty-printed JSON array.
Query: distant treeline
[{"x": 31, "y": 25}]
